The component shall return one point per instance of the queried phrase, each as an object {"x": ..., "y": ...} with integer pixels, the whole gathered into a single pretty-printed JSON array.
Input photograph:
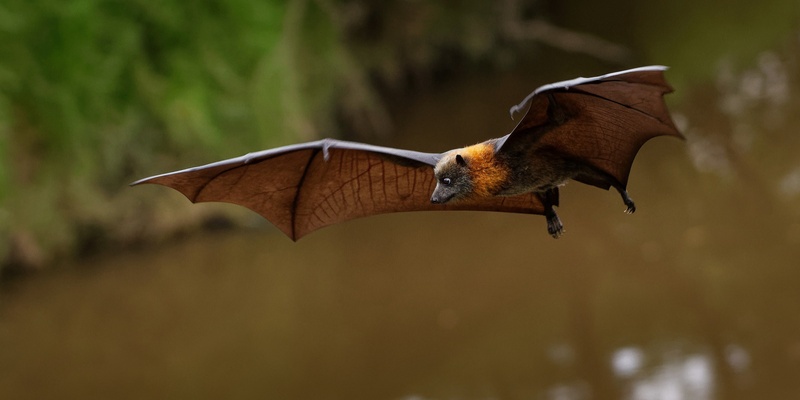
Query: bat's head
[{"x": 453, "y": 180}]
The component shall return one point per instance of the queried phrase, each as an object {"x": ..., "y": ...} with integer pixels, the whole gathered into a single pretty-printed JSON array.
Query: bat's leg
[
  {"x": 601, "y": 179},
  {"x": 549, "y": 199},
  {"x": 626, "y": 199}
]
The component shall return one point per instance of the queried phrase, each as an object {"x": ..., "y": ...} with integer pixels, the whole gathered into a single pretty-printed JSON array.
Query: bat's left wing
[
  {"x": 305, "y": 187},
  {"x": 601, "y": 122}
]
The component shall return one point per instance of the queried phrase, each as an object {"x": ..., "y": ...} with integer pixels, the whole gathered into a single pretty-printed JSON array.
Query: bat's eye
[{"x": 447, "y": 181}]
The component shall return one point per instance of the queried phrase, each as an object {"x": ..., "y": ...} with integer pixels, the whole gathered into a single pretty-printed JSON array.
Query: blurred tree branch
[{"x": 516, "y": 28}]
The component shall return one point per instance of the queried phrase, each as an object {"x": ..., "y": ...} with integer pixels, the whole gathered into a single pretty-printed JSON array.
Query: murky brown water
[{"x": 696, "y": 296}]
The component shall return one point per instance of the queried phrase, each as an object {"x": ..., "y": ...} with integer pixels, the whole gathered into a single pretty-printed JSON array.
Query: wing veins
[
  {"x": 296, "y": 199},
  {"x": 577, "y": 89}
]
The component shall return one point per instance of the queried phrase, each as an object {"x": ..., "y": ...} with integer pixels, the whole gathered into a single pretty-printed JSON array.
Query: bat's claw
[
  {"x": 627, "y": 200},
  {"x": 554, "y": 226}
]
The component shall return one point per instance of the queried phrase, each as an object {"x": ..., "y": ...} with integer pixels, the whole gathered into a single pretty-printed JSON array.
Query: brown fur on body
[{"x": 487, "y": 173}]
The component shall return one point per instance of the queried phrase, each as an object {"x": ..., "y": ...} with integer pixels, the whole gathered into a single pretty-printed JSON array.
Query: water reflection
[
  {"x": 738, "y": 358},
  {"x": 627, "y": 361},
  {"x": 695, "y": 296},
  {"x": 689, "y": 377}
]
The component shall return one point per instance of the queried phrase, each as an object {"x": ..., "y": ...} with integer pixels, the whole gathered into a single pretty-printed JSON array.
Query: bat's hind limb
[
  {"x": 626, "y": 199},
  {"x": 549, "y": 199},
  {"x": 603, "y": 180}
]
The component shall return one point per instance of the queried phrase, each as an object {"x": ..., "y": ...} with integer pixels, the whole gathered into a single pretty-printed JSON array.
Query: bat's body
[
  {"x": 483, "y": 171},
  {"x": 586, "y": 129}
]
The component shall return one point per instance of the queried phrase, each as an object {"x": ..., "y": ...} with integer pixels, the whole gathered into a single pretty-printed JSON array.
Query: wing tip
[{"x": 141, "y": 181}]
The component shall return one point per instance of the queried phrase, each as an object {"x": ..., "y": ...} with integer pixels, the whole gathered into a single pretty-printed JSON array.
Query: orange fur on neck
[{"x": 488, "y": 176}]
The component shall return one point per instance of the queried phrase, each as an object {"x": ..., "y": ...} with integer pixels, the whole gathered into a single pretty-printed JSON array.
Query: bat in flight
[{"x": 586, "y": 129}]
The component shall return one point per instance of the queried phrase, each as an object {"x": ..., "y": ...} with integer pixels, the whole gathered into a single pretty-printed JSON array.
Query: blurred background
[{"x": 117, "y": 292}]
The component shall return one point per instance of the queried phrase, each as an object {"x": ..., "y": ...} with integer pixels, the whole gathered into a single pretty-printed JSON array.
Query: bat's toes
[
  {"x": 628, "y": 201},
  {"x": 554, "y": 227}
]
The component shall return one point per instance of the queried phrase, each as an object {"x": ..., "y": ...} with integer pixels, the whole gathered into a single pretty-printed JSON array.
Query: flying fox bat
[{"x": 586, "y": 129}]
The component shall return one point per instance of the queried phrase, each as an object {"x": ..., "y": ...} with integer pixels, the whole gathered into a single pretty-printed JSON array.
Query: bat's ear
[{"x": 460, "y": 160}]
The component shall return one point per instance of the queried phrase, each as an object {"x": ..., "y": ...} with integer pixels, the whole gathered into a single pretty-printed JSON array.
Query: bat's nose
[{"x": 435, "y": 200}]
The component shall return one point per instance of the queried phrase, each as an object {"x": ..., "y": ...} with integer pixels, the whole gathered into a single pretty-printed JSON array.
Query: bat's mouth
[{"x": 438, "y": 199}]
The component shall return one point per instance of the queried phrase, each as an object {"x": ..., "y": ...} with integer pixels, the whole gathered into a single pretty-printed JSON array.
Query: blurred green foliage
[
  {"x": 92, "y": 89},
  {"x": 94, "y": 93}
]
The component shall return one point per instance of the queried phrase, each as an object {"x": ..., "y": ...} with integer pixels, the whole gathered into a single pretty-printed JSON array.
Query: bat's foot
[
  {"x": 631, "y": 206},
  {"x": 554, "y": 226},
  {"x": 628, "y": 201},
  {"x": 549, "y": 199}
]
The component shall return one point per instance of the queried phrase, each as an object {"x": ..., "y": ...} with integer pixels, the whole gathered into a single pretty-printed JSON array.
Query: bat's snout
[
  {"x": 442, "y": 195},
  {"x": 441, "y": 198}
]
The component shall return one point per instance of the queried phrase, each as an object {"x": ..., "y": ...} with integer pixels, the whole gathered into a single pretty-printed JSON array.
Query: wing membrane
[{"x": 314, "y": 185}]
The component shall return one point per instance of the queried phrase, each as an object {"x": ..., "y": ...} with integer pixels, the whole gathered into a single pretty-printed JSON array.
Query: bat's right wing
[
  {"x": 600, "y": 122},
  {"x": 305, "y": 187}
]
